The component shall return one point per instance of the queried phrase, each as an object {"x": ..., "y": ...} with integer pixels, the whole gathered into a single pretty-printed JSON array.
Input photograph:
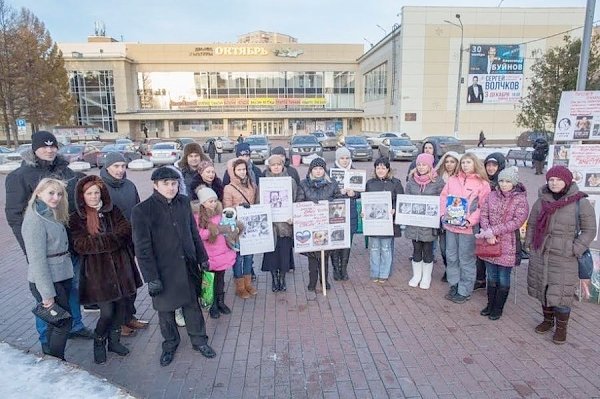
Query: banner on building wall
[
  {"x": 495, "y": 74},
  {"x": 578, "y": 116},
  {"x": 261, "y": 101},
  {"x": 583, "y": 160}
]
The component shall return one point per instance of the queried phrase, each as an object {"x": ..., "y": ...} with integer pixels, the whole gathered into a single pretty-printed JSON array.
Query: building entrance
[{"x": 268, "y": 128}]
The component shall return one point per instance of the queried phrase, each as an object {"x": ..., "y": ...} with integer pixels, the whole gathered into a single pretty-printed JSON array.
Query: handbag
[
  {"x": 585, "y": 261},
  {"x": 484, "y": 249},
  {"x": 207, "y": 290},
  {"x": 54, "y": 315}
]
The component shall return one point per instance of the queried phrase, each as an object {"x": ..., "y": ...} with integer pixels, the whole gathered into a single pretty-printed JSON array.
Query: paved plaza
[{"x": 363, "y": 340}]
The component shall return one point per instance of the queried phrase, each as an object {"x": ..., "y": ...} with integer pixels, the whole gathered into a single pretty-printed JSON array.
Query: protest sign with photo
[
  {"x": 321, "y": 226},
  {"x": 277, "y": 192},
  {"x": 337, "y": 175},
  {"x": 423, "y": 210},
  {"x": 578, "y": 116},
  {"x": 583, "y": 160},
  {"x": 257, "y": 236},
  {"x": 355, "y": 179},
  {"x": 376, "y": 207}
]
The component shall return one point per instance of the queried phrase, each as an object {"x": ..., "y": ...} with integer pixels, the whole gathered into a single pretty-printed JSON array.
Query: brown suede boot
[
  {"x": 548, "y": 322},
  {"x": 240, "y": 288},
  {"x": 560, "y": 334},
  {"x": 248, "y": 285}
]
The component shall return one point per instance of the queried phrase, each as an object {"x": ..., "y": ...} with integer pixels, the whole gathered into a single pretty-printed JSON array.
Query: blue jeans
[
  {"x": 380, "y": 250},
  {"x": 74, "y": 306},
  {"x": 243, "y": 265},
  {"x": 498, "y": 274},
  {"x": 460, "y": 256}
]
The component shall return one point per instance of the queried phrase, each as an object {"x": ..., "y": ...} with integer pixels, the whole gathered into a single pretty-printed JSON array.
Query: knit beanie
[
  {"x": 510, "y": 174},
  {"x": 317, "y": 162},
  {"x": 342, "y": 152},
  {"x": 192, "y": 148},
  {"x": 242, "y": 149},
  {"x": 203, "y": 165},
  {"x": 560, "y": 172},
  {"x": 113, "y": 157},
  {"x": 205, "y": 193},
  {"x": 426, "y": 159},
  {"x": 43, "y": 139},
  {"x": 279, "y": 150}
]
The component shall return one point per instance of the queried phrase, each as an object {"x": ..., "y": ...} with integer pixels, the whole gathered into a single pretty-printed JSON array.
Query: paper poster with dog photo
[
  {"x": 376, "y": 213},
  {"x": 355, "y": 179},
  {"x": 277, "y": 192},
  {"x": 321, "y": 226},
  {"x": 337, "y": 175},
  {"x": 257, "y": 235},
  {"x": 418, "y": 210}
]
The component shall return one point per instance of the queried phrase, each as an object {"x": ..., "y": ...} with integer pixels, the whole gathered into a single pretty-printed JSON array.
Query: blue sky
[{"x": 207, "y": 21}]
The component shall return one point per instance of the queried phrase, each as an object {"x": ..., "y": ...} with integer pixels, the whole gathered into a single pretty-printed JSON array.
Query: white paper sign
[
  {"x": 578, "y": 116},
  {"x": 355, "y": 179},
  {"x": 583, "y": 160},
  {"x": 337, "y": 175},
  {"x": 257, "y": 236},
  {"x": 321, "y": 226},
  {"x": 418, "y": 210},
  {"x": 277, "y": 192},
  {"x": 376, "y": 207}
]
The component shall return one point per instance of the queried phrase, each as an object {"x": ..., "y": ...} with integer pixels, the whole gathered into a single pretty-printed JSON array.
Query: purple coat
[{"x": 504, "y": 218}]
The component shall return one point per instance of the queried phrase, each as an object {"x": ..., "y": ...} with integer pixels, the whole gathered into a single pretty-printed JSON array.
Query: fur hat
[
  {"x": 426, "y": 159},
  {"x": 205, "y": 193},
  {"x": 242, "y": 149},
  {"x": 113, "y": 157},
  {"x": 510, "y": 174},
  {"x": 165, "y": 173},
  {"x": 560, "y": 172},
  {"x": 43, "y": 139},
  {"x": 192, "y": 148},
  {"x": 342, "y": 152},
  {"x": 317, "y": 162}
]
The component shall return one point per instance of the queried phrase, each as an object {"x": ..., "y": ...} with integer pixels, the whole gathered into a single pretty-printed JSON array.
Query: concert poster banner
[
  {"x": 495, "y": 74},
  {"x": 321, "y": 226},
  {"x": 578, "y": 116}
]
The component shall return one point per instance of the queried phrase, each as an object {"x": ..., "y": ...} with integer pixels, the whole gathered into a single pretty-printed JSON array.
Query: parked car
[
  {"x": 127, "y": 150},
  {"x": 165, "y": 153},
  {"x": 526, "y": 139},
  {"x": 359, "y": 148},
  {"x": 260, "y": 148},
  {"x": 146, "y": 146},
  {"x": 80, "y": 152},
  {"x": 123, "y": 141},
  {"x": 328, "y": 140},
  {"x": 375, "y": 142},
  {"x": 23, "y": 147},
  {"x": 397, "y": 149},
  {"x": 8, "y": 155},
  {"x": 304, "y": 146},
  {"x": 182, "y": 141},
  {"x": 228, "y": 144},
  {"x": 444, "y": 144}
]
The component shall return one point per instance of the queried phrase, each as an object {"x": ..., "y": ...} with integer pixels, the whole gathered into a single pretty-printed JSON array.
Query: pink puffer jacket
[
  {"x": 220, "y": 256},
  {"x": 502, "y": 215},
  {"x": 474, "y": 189}
]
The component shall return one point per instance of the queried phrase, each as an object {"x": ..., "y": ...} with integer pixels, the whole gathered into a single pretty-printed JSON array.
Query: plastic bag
[{"x": 207, "y": 290}]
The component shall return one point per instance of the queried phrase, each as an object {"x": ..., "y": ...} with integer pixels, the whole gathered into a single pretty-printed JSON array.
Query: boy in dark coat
[{"x": 169, "y": 253}]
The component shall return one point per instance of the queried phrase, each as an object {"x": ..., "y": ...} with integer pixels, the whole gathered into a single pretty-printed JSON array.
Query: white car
[
  {"x": 165, "y": 153},
  {"x": 375, "y": 142},
  {"x": 8, "y": 155}
]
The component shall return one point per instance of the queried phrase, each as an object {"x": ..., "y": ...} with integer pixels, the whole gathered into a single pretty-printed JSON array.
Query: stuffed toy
[{"x": 231, "y": 228}]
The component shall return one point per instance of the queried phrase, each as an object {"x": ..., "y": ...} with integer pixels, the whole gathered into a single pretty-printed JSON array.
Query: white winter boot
[
  {"x": 417, "y": 273},
  {"x": 426, "y": 280}
]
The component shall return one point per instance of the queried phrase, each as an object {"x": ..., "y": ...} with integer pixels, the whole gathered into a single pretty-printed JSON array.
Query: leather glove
[
  {"x": 204, "y": 266},
  {"x": 155, "y": 287},
  {"x": 246, "y": 205}
]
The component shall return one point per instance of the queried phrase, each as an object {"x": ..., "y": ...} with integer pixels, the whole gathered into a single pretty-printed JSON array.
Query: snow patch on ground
[{"x": 24, "y": 375}]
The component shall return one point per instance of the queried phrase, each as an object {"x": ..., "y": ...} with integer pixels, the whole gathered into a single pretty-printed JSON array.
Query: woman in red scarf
[{"x": 555, "y": 244}]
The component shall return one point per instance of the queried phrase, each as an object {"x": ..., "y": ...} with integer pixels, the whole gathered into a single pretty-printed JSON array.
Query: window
[
  {"x": 376, "y": 83},
  {"x": 94, "y": 93}
]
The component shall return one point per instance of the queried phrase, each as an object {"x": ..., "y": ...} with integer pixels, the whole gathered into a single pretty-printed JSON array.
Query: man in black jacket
[
  {"x": 43, "y": 161},
  {"x": 169, "y": 253}
]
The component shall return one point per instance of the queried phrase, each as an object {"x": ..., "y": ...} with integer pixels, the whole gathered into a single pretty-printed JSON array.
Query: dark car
[
  {"x": 127, "y": 150},
  {"x": 305, "y": 145},
  {"x": 260, "y": 148},
  {"x": 527, "y": 139},
  {"x": 396, "y": 149},
  {"x": 182, "y": 141},
  {"x": 80, "y": 152},
  {"x": 359, "y": 148},
  {"x": 443, "y": 144}
]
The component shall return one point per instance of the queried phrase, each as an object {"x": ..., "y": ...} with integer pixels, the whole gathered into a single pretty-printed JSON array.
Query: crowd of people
[{"x": 87, "y": 238}]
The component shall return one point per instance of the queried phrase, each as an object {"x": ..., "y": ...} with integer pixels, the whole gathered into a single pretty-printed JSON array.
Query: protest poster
[
  {"x": 337, "y": 175},
  {"x": 376, "y": 208},
  {"x": 589, "y": 290},
  {"x": 321, "y": 226},
  {"x": 424, "y": 210},
  {"x": 277, "y": 192},
  {"x": 257, "y": 236},
  {"x": 583, "y": 160},
  {"x": 355, "y": 179},
  {"x": 495, "y": 74},
  {"x": 578, "y": 116}
]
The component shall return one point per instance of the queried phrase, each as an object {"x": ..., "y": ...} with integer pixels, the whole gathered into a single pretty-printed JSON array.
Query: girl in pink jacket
[
  {"x": 220, "y": 256},
  {"x": 460, "y": 203}
]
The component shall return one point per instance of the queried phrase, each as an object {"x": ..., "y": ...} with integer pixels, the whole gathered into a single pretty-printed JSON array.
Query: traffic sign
[{"x": 21, "y": 123}]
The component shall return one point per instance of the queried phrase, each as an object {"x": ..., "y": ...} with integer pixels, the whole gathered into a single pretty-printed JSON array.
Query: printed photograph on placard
[
  {"x": 355, "y": 179},
  {"x": 422, "y": 210},
  {"x": 377, "y": 212},
  {"x": 592, "y": 180},
  {"x": 257, "y": 235},
  {"x": 405, "y": 207},
  {"x": 456, "y": 210},
  {"x": 583, "y": 126},
  {"x": 337, "y": 175},
  {"x": 277, "y": 192},
  {"x": 321, "y": 226},
  {"x": 337, "y": 211}
]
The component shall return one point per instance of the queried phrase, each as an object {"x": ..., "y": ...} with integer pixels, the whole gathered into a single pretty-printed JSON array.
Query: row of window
[
  {"x": 376, "y": 83},
  {"x": 94, "y": 92}
]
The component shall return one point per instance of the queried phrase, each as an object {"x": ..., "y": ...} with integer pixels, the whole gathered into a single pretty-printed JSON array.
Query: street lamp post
[{"x": 459, "y": 83}]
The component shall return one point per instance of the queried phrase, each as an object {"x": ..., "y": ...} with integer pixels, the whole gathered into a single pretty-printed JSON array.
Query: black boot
[
  {"x": 114, "y": 343},
  {"x": 492, "y": 287},
  {"x": 100, "y": 350},
  {"x": 282, "y": 286},
  {"x": 274, "y": 282},
  {"x": 501, "y": 297},
  {"x": 345, "y": 257},
  {"x": 214, "y": 311},
  {"x": 221, "y": 304},
  {"x": 335, "y": 262}
]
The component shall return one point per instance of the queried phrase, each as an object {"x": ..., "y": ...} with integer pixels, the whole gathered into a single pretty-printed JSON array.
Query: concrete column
[
  {"x": 166, "y": 133},
  {"x": 226, "y": 127},
  {"x": 286, "y": 124},
  {"x": 345, "y": 126}
]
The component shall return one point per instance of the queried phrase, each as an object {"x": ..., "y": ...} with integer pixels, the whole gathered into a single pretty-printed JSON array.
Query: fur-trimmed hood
[
  {"x": 104, "y": 195},
  {"x": 29, "y": 159}
]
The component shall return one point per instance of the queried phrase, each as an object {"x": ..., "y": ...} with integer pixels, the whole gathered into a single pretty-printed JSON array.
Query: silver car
[
  {"x": 260, "y": 148},
  {"x": 328, "y": 140},
  {"x": 397, "y": 149},
  {"x": 165, "y": 153},
  {"x": 305, "y": 145},
  {"x": 8, "y": 155},
  {"x": 375, "y": 142}
]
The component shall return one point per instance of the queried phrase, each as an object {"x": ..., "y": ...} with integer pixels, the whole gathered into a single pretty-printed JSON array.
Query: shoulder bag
[{"x": 586, "y": 263}]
